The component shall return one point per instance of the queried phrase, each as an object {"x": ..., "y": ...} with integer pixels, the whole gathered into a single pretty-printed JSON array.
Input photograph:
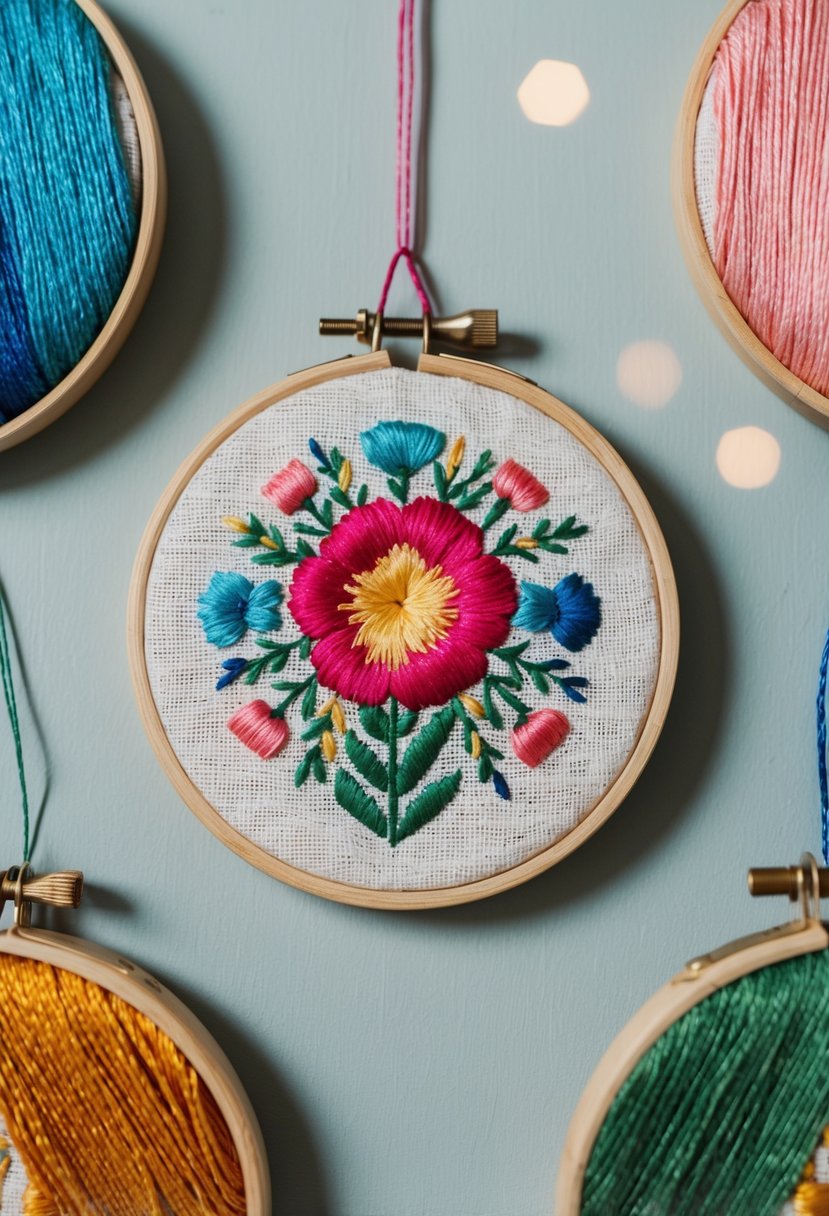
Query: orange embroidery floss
[{"x": 104, "y": 1110}]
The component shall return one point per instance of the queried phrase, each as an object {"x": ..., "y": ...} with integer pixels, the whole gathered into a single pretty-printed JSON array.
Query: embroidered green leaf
[
  {"x": 362, "y": 495},
  {"x": 397, "y": 489},
  {"x": 303, "y": 549},
  {"x": 366, "y": 762},
  {"x": 340, "y": 497},
  {"x": 305, "y": 648},
  {"x": 566, "y": 530},
  {"x": 485, "y": 767},
  {"x": 423, "y": 750},
  {"x": 256, "y": 525},
  {"x": 539, "y": 679},
  {"x": 406, "y": 723},
  {"x": 439, "y": 474},
  {"x": 317, "y": 727},
  {"x": 308, "y": 530},
  {"x": 304, "y": 767},
  {"x": 474, "y": 498},
  {"x": 375, "y": 722},
  {"x": 429, "y": 803},
  {"x": 492, "y": 711},
  {"x": 309, "y": 701},
  {"x": 319, "y": 769},
  {"x": 358, "y": 802}
]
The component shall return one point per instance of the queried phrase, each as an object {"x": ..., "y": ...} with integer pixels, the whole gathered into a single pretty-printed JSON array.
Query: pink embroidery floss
[
  {"x": 539, "y": 736},
  {"x": 771, "y": 227},
  {"x": 524, "y": 491},
  {"x": 263, "y": 734},
  {"x": 289, "y": 488}
]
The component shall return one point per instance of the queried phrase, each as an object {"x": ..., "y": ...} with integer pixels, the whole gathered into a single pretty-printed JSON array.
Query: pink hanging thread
[
  {"x": 403, "y": 174},
  {"x": 771, "y": 226}
]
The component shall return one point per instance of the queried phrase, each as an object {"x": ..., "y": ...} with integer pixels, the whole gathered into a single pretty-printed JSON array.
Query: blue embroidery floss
[{"x": 68, "y": 218}]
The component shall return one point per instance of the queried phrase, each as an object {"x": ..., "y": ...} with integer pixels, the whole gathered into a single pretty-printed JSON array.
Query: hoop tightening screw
[{"x": 476, "y": 329}]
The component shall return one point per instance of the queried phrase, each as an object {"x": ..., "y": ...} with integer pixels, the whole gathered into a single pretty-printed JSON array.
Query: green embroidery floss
[{"x": 721, "y": 1115}]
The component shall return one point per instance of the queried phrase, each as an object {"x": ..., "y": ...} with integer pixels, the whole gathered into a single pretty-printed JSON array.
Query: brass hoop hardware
[
  {"x": 376, "y": 332},
  {"x": 427, "y": 331},
  {"x": 63, "y": 889},
  {"x": 476, "y": 329},
  {"x": 805, "y": 883}
]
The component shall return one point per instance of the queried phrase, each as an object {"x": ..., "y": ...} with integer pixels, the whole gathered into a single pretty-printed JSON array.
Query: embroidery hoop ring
[
  {"x": 698, "y": 980},
  {"x": 653, "y": 719},
  {"x": 135, "y": 986},
  {"x": 144, "y": 260},
  {"x": 774, "y": 374}
]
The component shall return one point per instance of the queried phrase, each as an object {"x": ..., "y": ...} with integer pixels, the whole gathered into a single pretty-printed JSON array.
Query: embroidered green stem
[
  {"x": 324, "y": 517},
  {"x": 540, "y": 538},
  {"x": 394, "y": 795},
  {"x": 14, "y": 721},
  {"x": 541, "y": 673},
  {"x": 498, "y": 508},
  {"x": 399, "y": 486},
  {"x": 294, "y": 690},
  {"x": 275, "y": 658},
  {"x": 483, "y": 465},
  {"x": 482, "y": 750}
]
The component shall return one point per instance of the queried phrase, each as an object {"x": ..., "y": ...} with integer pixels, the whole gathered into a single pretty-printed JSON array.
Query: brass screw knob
[{"x": 476, "y": 329}]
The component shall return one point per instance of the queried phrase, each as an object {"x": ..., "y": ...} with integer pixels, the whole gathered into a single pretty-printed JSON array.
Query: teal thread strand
[
  {"x": 721, "y": 1115},
  {"x": 67, "y": 212},
  {"x": 11, "y": 707}
]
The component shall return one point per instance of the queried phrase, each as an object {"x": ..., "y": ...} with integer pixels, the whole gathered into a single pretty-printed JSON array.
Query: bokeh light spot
[
  {"x": 553, "y": 93},
  {"x": 648, "y": 373},
  {"x": 748, "y": 457}
]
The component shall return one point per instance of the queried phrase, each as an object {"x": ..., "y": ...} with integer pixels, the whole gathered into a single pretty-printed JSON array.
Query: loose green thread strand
[
  {"x": 14, "y": 720},
  {"x": 724, "y": 1111}
]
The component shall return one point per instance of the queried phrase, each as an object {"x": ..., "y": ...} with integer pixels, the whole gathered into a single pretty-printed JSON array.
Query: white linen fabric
[
  {"x": 479, "y": 833},
  {"x": 15, "y": 1182},
  {"x": 706, "y": 150}
]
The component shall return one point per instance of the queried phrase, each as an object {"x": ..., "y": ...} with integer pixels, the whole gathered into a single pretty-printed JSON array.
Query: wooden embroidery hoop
[
  {"x": 665, "y": 592},
  {"x": 139, "y": 989},
  {"x": 763, "y": 363},
  {"x": 698, "y": 980},
  {"x": 144, "y": 260}
]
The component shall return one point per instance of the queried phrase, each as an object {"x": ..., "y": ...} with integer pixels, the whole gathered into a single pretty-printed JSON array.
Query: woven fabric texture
[
  {"x": 15, "y": 1181},
  {"x": 479, "y": 833},
  {"x": 706, "y": 147}
]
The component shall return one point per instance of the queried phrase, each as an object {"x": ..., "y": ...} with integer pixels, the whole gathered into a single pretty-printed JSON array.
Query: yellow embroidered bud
[
  {"x": 526, "y": 542},
  {"x": 338, "y": 717},
  {"x": 329, "y": 745},
  {"x": 344, "y": 476},
  {"x": 235, "y": 523},
  {"x": 268, "y": 543},
  {"x": 476, "y": 745},
  {"x": 472, "y": 704},
  {"x": 455, "y": 457},
  {"x": 327, "y": 707}
]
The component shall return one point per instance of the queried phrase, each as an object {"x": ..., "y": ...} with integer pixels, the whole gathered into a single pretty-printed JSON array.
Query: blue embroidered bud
[
  {"x": 233, "y": 669},
  {"x": 318, "y": 454},
  {"x": 500, "y": 785}
]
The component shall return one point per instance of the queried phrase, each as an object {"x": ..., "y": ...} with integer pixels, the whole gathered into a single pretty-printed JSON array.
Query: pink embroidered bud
[
  {"x": 520, "y": 486},
  {"x": 541, "y": 734},
  {"x": 289, "y": 488},
  {"x": 255, "y": 727}
]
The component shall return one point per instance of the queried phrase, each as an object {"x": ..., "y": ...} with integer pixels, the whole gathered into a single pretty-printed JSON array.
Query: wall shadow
[
  {"x": 182, "y": 298},
  {"x": 297, "y": 1179}
]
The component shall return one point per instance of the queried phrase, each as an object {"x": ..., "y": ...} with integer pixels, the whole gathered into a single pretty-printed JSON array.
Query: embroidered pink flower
[
  {"x": 289, "y": 488},
  {"x": 524, "y": 491},
  {"x": 404, "y": 602},
  {"x": 258, "y": 730},
  {"x": 541, "y": 734}
]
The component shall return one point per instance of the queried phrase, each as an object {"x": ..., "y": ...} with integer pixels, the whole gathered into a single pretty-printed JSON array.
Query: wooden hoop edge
[
  {"x": 668, "y": 1004},
  {"x": 724, "y": 312},
  {"x": 130, "y": 302},
  {"x": 141, "y": 990},
  {"x": 652, "y": 721}
]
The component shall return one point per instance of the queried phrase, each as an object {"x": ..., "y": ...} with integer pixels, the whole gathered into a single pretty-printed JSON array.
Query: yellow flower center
[{"x": 400, "y": 606}]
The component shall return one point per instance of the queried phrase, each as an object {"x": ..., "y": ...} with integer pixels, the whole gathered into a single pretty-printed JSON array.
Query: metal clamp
[
  {"x": 805, "y": 883},
  {"x": 476, "y": 329},
  {"x": 63, "y": 889}
]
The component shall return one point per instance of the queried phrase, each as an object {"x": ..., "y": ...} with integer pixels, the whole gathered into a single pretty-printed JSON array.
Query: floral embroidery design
[{"x": 403, "y": 607}]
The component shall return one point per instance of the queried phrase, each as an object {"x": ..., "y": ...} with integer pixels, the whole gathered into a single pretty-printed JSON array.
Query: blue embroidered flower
[
  {"x": 401, "y": 447},
  {"x": 500, "y": 786},
  {"x": 571, "y": 611},
  {"x": 231, "y": 605}
]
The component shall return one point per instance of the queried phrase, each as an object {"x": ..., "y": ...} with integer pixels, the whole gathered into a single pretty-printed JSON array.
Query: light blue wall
[{"x": 423, "y": 1065}]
